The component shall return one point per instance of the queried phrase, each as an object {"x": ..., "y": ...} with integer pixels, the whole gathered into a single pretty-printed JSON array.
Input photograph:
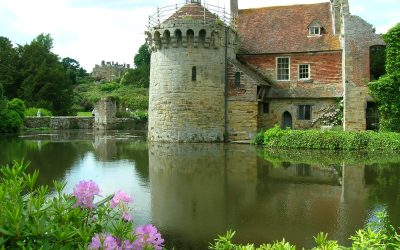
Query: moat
[{"x": 193, "y": 192}]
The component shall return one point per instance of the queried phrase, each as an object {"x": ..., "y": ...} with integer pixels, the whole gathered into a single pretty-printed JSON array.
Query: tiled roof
[
  {"x": 284, "y": 29},
  {"x": 192, "y": 11}
]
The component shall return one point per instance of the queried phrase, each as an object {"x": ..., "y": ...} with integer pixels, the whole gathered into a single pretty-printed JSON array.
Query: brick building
[{"x": 274, "y": 65}]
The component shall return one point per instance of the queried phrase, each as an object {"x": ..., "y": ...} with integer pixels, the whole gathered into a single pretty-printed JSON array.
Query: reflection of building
[
  {"x": 109, "y": 71},
  {"x": 215, "y": 74},
  {"x": 199, "y": 191}
]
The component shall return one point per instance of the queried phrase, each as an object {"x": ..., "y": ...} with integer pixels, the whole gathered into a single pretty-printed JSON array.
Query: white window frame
[
  {"x": 312, "y": 31},
  {"x": 277, "y": 70},
  {"x": 308, "y": 73}
]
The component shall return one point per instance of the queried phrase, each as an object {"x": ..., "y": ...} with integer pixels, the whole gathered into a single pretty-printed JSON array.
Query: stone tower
[{"x": 187, "y": 99}]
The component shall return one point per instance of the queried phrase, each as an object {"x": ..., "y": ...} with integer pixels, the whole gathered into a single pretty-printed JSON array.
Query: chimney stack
[{"x": 234, "y": 8}]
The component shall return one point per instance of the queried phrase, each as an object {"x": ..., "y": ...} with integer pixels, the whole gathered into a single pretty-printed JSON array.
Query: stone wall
[
  {"x": 278, "y": 106},
  {"x": 105, "y": 111},
  {"x": 359, "y": 36},
  {"x": 183, "y": 109},
  {"x": 59, "y": 122},
  {"x": 242, "y": 120},
  {"x": 109, "y": 71},
  {"x": 74, "y": 122}
]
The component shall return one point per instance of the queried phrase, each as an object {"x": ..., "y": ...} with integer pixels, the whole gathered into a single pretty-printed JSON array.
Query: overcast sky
[{"x": 113, "y": 30}]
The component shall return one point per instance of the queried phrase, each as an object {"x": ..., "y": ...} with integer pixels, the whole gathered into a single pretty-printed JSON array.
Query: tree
[
  {"x": 386, "y": 90},
  {"x": 8, "y": 67},
  {"x": 74, "y": 70},
  {"x": 45, "y": 82},
  {"x": 139, "y": 76}
]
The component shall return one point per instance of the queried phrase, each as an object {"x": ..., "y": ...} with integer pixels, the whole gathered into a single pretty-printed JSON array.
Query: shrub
[
  {"x": 31, "y": 218},
  {"x": 10, "y": 121},
  {"x": 108, "y": 87},
  {"x": 330, "y": 140},
  {"x": 18, "y": 106},
  {"x": 33, "y": 112}
]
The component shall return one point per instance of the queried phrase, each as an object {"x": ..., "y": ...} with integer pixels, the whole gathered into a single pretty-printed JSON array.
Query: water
[{"x": 193, "y": 192}]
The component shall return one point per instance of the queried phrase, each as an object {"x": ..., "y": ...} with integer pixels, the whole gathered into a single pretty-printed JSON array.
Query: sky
[{"x": 90, "y": 31}]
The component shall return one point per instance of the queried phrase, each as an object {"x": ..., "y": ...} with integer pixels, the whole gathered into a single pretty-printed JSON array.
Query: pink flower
[
  {"x": 148, "y": 235},
  {"x": 120, "y": 196},
  {"x": 126, "y": 216},
  {"x": 104, "y": 241},
  {"x": 84, "y": 193}
]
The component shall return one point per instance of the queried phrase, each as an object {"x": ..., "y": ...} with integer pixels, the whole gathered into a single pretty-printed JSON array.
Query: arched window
[
  {"x": 167, "y": 37},
  {"x": 157, "y": 39},
  {"x": 194, "y": 73},
  {"x": 190, "y": 37},
  {"x": 178, "y": 37},
  {"x": 202, "y": 37}
]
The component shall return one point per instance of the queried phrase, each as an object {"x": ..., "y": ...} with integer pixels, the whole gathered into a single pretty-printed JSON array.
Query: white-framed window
[
  {"x": 283, "y": 68},
  {"x": 314, "y": 30},
  {"x": 304, "y": 112},
  {"x": 304, "y": 71}
]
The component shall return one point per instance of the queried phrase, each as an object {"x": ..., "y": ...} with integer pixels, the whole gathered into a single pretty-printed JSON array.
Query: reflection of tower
[
  {"x": 198, "y": 189},
  {"x": 187, "y": 78}
]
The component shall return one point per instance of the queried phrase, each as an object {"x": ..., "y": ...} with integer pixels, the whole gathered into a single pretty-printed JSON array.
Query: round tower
[{"x": 187, "y": 76}]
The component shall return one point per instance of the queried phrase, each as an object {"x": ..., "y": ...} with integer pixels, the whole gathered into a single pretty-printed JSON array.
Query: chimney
[{"x": 234, "y": 8}]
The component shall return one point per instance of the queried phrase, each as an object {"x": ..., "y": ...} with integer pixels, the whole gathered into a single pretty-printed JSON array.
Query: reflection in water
[{"x": 193, "y": 192}]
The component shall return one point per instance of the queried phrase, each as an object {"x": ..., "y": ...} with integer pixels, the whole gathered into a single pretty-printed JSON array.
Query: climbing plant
[{"x": 386, "y": 90}]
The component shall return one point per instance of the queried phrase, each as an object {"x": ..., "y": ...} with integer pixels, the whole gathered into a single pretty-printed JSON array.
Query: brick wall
[{"x": 325, "y": 74}]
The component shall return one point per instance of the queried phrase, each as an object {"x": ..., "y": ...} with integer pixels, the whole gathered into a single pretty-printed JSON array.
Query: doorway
[{"x": 287, "y": 120}]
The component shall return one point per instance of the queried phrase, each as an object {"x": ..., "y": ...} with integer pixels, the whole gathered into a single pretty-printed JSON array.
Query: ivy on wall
[{"x": 386, "y": 90}]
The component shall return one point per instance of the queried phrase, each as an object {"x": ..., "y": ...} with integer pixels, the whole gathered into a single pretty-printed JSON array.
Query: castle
[
  {"x": 217, "y": 76},
  {"x": 109, "y": 71}
]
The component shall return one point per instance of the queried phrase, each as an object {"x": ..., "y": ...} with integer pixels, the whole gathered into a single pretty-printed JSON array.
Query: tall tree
[
  {"x": 45, "y": 81},
  {"x": 74, "y": 69},
  {"x": 8, "y": 67}
]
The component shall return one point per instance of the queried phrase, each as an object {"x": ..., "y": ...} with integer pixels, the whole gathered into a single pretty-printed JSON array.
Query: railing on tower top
[{"x": 164, "y": 13}]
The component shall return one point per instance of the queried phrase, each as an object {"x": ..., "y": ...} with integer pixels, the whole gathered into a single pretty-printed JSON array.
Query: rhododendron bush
[{"x": 37, "y": 217}]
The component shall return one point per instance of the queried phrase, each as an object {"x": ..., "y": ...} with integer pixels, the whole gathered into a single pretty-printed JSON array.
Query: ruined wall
[
  {"x": 278, "y": 106},
  {"x": 59, "y": 122},
  {"x": 105, "y": 111},
  {"x": 359, "y": 36}
]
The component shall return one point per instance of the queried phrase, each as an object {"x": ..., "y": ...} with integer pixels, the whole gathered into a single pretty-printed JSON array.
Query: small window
[
  {"x": 237, "y": 79},
  {"x": 315, "y": 31},
  {"x": 304, "y": 71},
  {"x": 194, "y": 74},
  {"x": 282, "y": 67},
  {"x": 265, "y": 107},
  {"x": 304, "y": 112}
]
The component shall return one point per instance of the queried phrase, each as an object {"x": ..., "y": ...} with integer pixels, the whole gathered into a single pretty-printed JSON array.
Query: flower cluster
[
  {"x": 84, "y": 193},
  {"x": 147, "y": 236},
  {"x": 144, "y": 237}
]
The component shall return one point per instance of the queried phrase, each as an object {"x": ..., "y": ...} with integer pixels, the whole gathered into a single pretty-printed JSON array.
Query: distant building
[{"x": 109, "y": 71}]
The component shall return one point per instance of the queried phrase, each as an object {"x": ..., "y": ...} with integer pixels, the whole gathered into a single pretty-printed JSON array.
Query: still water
[{"x": 193, "y": 192}]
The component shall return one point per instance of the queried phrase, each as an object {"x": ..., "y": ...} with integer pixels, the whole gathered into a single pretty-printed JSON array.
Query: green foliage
[
  {"x": 33, "y": 112},
  {"x": 74, "y": 71},
  {"x": 33, "y": 217},
  {"x": 377, "y": 235},
  {"x": 387, "y": 89},
  {"x": 3, "y": 101},
  {"x": 142, "y": 58},
  {"x": 133, "y": 98},
  {"x": 8, "y": 66},
  {"x": 330, "y": 140},
  {"x": 10, "y": 121},
  {"x": 137, "y": 77},
  {"x": 109, "y": 87},
  {"x": 140, "y": 76},
  {"x": 18, "y": 106},
  {"x": 259, "y": 138}
]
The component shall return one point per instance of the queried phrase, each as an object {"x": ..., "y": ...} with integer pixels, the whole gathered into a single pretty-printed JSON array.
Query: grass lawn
[{"x": 84, "y": 114}]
